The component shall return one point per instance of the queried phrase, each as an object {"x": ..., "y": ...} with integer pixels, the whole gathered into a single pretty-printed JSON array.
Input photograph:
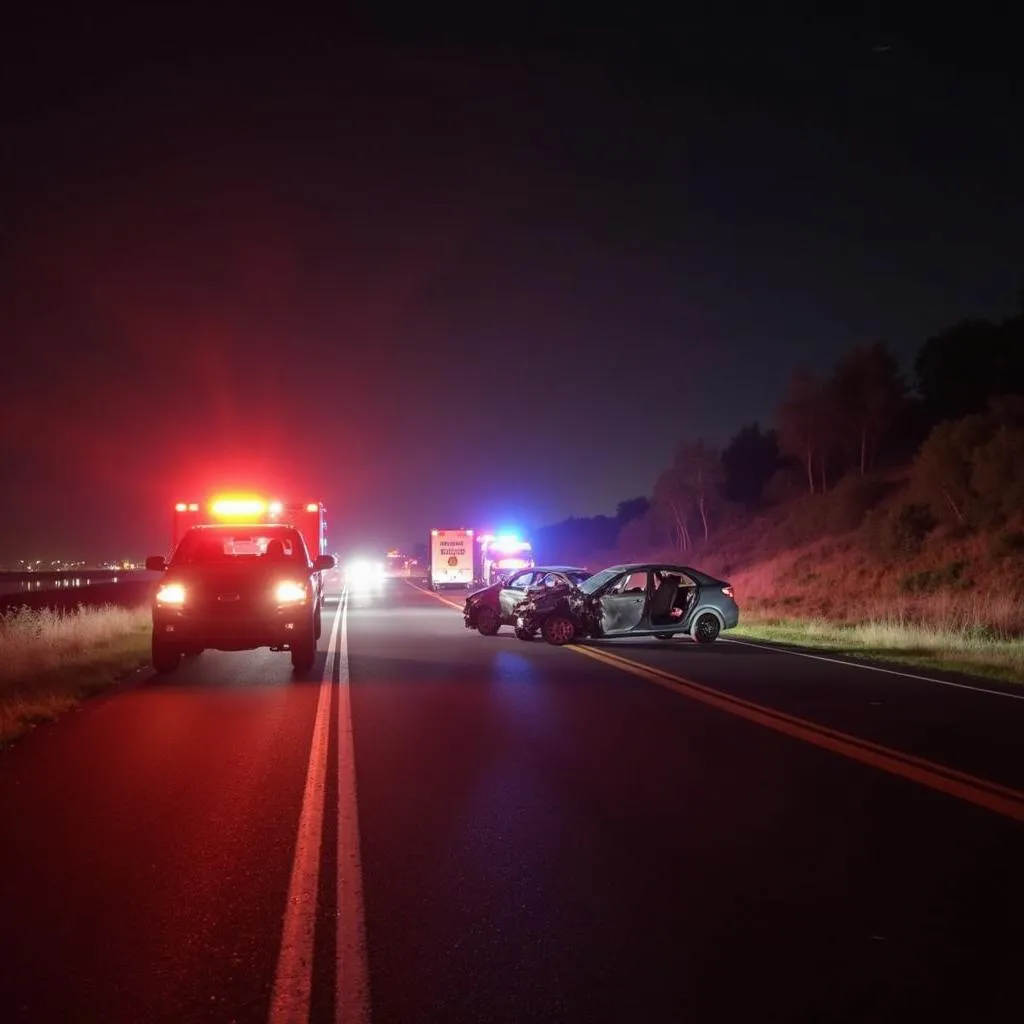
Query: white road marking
[
  {"x": 352, "y": 984},
  {"x": 876, "y": 668},
  {"x": 293, "y": 981}
]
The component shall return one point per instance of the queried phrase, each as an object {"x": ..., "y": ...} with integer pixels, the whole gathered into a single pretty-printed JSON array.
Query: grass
[
  {"x": 50, "y": 661},
  {"x": 964, "y": 640}
]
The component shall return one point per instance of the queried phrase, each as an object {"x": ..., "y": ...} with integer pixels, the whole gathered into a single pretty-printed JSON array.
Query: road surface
[{"x": 438, "y": 826}]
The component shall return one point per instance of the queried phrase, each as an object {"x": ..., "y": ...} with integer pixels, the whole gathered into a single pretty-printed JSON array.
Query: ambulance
[{"x": 452, "y": 558}]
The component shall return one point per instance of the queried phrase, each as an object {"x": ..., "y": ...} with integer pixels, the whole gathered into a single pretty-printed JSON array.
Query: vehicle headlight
[
  {"x": 289, "y": 592},
  {"x": 171, "y": 593}
]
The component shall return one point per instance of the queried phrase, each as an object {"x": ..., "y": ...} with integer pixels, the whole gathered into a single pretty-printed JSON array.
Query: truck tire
[
  {"x": 165, "y": 658},
  {"x": 304, "y": 649}
]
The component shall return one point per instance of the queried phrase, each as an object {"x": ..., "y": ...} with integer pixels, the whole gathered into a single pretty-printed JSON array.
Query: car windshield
[
  {"x": 593, "y": 583},
  {"x": 202, "y": 547},
  {"x": 577, "y": 576}
]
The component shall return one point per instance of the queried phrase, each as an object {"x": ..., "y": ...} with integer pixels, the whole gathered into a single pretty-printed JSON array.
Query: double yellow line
[
  {"x": 990, "y": 795},
  {"x": 980, "y": 792}
]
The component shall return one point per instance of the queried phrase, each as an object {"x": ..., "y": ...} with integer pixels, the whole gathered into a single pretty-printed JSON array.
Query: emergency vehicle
[
  {"x": 308, "y": 517},
  {"x": 502, "y": 555},
  {"x": 451, "y": 558}
]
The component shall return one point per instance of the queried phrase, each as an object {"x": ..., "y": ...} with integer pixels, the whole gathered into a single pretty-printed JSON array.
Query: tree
[
  {"x": 868, "y": 393},
  {"x": 954, "y": 370},
  {"x": 632, "y": 508},
  {"x": 690, "y": 486},
  {"x": 749, "y": 461},
  {"x": 802, "y": 419}
]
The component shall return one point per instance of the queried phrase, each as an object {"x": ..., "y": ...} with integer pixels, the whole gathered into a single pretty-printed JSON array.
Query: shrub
[
  {"x": 900, "y": 531},
  {"x": 1008, "y": 544}
]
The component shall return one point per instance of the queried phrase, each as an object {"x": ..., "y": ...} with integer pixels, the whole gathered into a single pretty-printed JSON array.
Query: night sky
[{"x": 488, "y": 275}]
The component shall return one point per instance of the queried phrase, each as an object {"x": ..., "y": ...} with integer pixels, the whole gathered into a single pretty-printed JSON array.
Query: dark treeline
[{"x": 959, "y": 425}]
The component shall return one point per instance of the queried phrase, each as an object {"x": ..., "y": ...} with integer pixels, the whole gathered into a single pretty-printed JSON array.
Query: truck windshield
[{"x": 234, "y": 546}]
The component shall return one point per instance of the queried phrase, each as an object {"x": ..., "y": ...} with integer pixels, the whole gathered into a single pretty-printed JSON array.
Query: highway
[{"x": 437, "y": 826}]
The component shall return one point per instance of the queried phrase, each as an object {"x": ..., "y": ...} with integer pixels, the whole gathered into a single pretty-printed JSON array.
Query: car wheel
[
  {"x": 165, "y": 658},
  {"x": 558, "y": 630},
  {"x": 524, "y": 634},
  {"x": 706, "y": 628},
  {"x": 487, "y": 621}
]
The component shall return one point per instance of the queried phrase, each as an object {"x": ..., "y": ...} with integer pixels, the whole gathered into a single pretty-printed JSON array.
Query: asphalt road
[{"x": 438, "y": 826}]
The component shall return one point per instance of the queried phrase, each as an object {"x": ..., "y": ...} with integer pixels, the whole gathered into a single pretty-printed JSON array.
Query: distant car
[
  {"x": 489, "y": 609},
  {"x": 236, "y": 588},
  {"x": 642, "y": 599}
]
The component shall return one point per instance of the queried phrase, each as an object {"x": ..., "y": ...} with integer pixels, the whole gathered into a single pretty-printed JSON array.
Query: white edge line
[
  {"x": 293, "y": 980},
  {"x": 875, "y": 668},
  {"x": 352, "y": 985}
]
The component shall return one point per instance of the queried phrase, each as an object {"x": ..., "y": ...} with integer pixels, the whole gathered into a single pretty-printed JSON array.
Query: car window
[
  {"x": 631, "y": 583},
  {"x": 520, "y": 581}
]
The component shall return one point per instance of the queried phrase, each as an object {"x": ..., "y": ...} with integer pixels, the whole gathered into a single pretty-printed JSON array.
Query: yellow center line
[{"x": 981, "y": 792}]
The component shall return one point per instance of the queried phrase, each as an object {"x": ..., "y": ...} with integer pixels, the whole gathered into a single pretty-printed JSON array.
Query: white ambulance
[{"x": 451, "y": 558}]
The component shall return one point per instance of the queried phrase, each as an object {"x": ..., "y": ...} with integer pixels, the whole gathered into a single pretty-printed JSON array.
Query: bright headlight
[
  {"x": 288, "y": 592},
  {"x": 171, "y": 593}
]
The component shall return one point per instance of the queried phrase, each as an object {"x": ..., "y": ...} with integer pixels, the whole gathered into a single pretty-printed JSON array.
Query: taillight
[
  {"x": 171, "y": 593},
  {"x": 728, "y": 592}
]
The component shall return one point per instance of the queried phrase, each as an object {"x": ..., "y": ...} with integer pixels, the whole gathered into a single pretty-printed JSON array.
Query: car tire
[
  {"x": 166, "y": 659},
  {"x": 524, "y": 634},
  {"x": 558, "y": 630},
  {"x": 706, "y": 628},
  {"x": 487, "y": 621}
]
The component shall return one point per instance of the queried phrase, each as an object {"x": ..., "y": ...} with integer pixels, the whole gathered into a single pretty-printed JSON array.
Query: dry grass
[
  {"x": 50, "y": 660},
  {"x": 961, "y": 640}
]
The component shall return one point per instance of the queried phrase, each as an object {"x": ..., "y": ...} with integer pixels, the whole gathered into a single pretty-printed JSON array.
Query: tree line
[{"x": 959, "y": 423}]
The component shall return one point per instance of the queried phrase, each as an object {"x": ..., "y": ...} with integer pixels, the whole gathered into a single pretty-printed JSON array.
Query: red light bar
[
  {"x": 238, "y": 507},
  {"x": 312, "y": 507}
]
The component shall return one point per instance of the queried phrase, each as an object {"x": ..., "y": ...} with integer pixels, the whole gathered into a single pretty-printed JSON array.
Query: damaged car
[
  {"x": 649, "y": 599},
  {"x": 495, "y": 606}
]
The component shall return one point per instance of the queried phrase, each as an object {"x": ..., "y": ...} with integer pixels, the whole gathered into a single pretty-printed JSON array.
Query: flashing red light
[
  {"x": 238, "y": 507},
  {"x": 312, "y": 507},
  {"x": 180, "y": 507}
]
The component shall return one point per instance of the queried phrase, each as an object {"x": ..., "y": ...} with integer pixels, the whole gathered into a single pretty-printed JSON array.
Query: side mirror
[
  {"x": 324, "y": 562},
  {"x": 156, "y": 563}
]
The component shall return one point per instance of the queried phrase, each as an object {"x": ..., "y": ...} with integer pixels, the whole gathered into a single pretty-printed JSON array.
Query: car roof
[
  {"x": 558, "y": 568},
  {"x": 689, "y": 570}
]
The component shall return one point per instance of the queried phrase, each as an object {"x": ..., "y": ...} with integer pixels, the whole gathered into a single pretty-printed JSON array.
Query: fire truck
[
  {"x": 500, "y": 556},
  {"x": 308, "y": 517}
]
